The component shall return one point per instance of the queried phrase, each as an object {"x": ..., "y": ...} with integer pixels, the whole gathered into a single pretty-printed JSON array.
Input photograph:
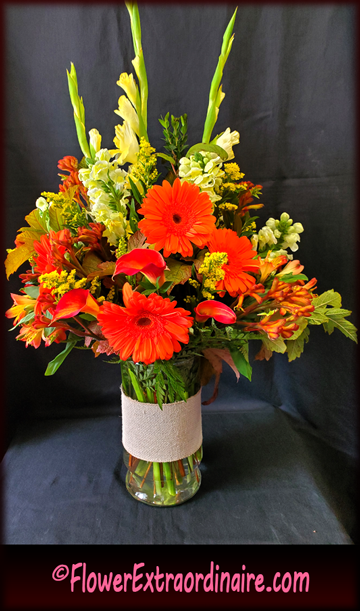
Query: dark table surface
[{"x": 64, "y": 484}]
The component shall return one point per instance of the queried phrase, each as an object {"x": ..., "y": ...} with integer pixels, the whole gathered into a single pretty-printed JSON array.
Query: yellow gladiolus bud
[
  {"x": 95, "y": 141},
  {"x": 126, "y": 141},
  {"x": 128, "y": 113},
  {"x": 127, "y": 83}
]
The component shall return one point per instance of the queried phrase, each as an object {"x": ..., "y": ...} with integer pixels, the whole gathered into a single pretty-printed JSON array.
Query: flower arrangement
[{"x": 153, "y": 272}]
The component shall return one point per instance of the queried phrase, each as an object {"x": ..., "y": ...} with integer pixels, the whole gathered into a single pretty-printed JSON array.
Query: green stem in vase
[
  {"x": 157, "y": 477},
  {"x": 169, "y": 478},
  {"x": 191, "y": 463}
]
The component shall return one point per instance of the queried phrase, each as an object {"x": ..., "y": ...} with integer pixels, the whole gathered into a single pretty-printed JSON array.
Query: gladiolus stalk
[
  {"x": 79, "y": 111},
  {"x": 216, "y": 94},
  {"x": 139, "y": 65}
]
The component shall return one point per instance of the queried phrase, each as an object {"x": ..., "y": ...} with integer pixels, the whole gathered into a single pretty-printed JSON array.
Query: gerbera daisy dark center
[
  {"x": 177, "y": 218},
  {"x": 144, "y": 322}
]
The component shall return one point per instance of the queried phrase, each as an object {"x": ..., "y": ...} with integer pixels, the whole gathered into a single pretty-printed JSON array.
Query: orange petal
[
  {"x": 215, "y": 309},
  {"x": 75, "y": 301}
]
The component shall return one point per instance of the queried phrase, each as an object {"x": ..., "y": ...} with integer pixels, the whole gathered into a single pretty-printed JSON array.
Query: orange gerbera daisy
[
  {"x": 240, "y": 260},
  {"x": 176, "y": 216},
  {"x": 148, "y": 328}
]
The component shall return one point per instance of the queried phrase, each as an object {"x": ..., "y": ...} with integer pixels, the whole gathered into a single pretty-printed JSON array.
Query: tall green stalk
[
  {"x": 139, "y": 65},
  {"x": 216, "y": 95},
  {"x": 79, "y": 111}
]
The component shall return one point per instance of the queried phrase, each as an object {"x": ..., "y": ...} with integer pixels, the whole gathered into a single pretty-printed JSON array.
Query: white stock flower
[
  {"x": 298, "y": 227},
  {"x": 100, "y": 170},
  {"x": 266, "y": 237},
  {"x": 271, "y": 223},
  {"x": 290, "y": 241},
  {"x": 208, "y": 179},
  {"x": 103, "y": 155}
]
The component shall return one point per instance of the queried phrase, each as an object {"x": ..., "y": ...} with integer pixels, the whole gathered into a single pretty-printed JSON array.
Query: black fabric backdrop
[{"x": 289, "y": 84}]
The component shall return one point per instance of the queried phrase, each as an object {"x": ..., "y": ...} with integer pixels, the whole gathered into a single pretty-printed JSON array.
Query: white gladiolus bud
[
  {"x": 284, "y": 217},
  {"x": 42, "y": 204},
  {"x": 227, "y": 140},
  {"x": 95, "y": 140}
]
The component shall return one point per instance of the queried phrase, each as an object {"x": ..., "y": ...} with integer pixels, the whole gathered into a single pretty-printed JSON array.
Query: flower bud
[
  {"x": 271, "y": 223},
  {"x": 284, "y": 217},
  {"x": 298, "y": 227},
  {"x": 42, "y": 204},
  {"x": 95, "y": 140}
]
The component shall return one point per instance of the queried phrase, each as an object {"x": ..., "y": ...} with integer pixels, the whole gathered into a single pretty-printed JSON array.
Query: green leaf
[
  {"x": 243, "y": 366},
  {"x": 213, "y": 148},
  {"x": 136, "y": 385},
  {"x": 289, "y": 278},
  {"x": 345, "y": 326},
  {"x": 302, "y": 323},
  {"x": 135, "y": 191},
  {"x": 32, "y": 291},
  {"x": 318, "y": 316},
  {"x": 26, "y": 318},
  {"x": 54, "y": 365},
  {"x": 329, "y": 327},
  {"x": 166, "y": 157},
  {"x": 87, "y": 317},
  {"x": 329, "y": 298},
  {"x": 134, "y": 219},
  {"x": 296, "y": 347},
  {"x": 56, "y": 220},
  {"x": 276, "y": 345}
]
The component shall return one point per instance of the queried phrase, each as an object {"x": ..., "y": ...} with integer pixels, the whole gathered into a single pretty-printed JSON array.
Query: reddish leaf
[
  {"x": 215, "y": 356},
  {"x": 137, "y": 240},
  {"x": 264, "y": 353}
]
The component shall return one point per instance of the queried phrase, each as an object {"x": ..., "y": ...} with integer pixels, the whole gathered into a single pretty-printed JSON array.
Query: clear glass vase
[{"x": 162, "y": 483}]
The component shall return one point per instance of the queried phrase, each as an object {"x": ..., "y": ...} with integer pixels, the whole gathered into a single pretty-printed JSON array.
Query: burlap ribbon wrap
[{"x": 156, "y": 435}]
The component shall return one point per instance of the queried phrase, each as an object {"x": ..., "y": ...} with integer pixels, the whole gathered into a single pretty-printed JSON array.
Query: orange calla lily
[
  {"x": 74, "y": 302},
  {"x": 215, "y": 309},
  {"x": 149, "y": 262}
]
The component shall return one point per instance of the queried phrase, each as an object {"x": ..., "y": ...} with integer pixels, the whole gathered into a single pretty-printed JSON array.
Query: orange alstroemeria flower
[
  {"x": 214, "y": 309},
  {"x": 267, "y": 266},
  {"x": 175, "y": 217},
  {"x": 20, "y": 308},
  {"x": 293, "y": 267},
  {"x": 149, "y": 262},
  {"x": 74, "y": 302},
  {"x": 147, "y": 329},
  {"x": 33, "y": 333}
]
